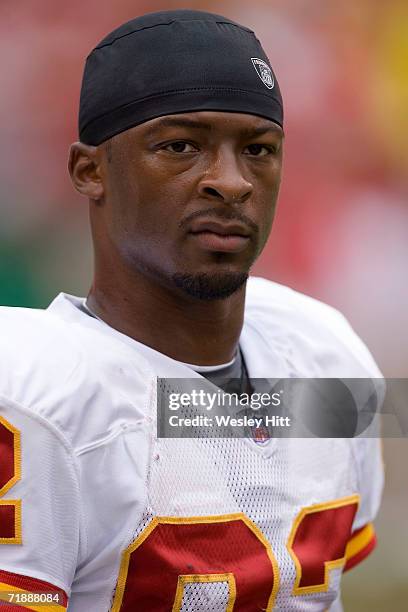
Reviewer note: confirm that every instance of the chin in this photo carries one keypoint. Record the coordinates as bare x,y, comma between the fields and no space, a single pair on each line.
208,287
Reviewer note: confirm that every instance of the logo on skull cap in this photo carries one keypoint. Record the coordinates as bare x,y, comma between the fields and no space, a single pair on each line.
264,72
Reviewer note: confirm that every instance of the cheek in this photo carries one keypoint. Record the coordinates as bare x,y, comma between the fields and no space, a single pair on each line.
145,213
268,194
128,197
268,214
266,209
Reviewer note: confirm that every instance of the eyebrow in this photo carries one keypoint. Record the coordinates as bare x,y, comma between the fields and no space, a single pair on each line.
273,128
201,125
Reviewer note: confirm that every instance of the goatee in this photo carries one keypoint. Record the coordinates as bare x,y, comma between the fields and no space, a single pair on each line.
208,287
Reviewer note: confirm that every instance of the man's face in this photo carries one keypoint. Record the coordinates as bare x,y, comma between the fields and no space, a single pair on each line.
190,198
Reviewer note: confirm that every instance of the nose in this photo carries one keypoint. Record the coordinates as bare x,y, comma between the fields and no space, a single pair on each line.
224,181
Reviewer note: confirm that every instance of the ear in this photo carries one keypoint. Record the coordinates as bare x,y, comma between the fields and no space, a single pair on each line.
84,166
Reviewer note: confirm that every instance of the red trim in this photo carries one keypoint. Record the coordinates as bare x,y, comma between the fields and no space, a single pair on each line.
31,584
361,555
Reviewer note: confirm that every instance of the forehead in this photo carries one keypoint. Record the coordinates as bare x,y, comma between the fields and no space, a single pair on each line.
225,123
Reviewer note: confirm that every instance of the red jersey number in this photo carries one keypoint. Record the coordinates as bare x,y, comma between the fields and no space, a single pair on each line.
10,473
176,551
173,552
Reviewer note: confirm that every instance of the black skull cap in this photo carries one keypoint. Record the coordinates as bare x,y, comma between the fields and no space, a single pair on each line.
174,62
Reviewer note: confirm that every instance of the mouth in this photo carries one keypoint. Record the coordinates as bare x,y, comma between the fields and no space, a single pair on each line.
227,237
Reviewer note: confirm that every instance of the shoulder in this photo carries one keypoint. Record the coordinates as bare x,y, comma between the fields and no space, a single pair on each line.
312,330
77,378
32,341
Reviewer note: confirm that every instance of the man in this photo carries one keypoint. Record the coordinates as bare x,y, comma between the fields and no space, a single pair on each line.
180,155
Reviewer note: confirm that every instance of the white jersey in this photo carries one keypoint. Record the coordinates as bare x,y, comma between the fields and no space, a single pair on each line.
99,511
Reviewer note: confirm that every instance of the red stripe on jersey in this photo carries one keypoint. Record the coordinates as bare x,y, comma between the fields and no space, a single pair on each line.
31,584
359,556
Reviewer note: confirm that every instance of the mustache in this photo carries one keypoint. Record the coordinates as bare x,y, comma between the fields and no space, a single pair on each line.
227,215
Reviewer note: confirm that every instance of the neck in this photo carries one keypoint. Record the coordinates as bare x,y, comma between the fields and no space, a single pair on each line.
184,328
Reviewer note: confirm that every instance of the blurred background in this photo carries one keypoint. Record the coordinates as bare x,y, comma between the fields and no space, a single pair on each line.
341,232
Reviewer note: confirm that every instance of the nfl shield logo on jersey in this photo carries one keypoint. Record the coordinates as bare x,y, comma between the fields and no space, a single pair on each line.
264,72
260,434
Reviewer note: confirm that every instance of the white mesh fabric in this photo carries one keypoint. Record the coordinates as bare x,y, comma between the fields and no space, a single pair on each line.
270,484
200,597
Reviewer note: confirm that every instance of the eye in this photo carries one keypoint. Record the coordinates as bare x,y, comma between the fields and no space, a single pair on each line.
180,146
259,150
